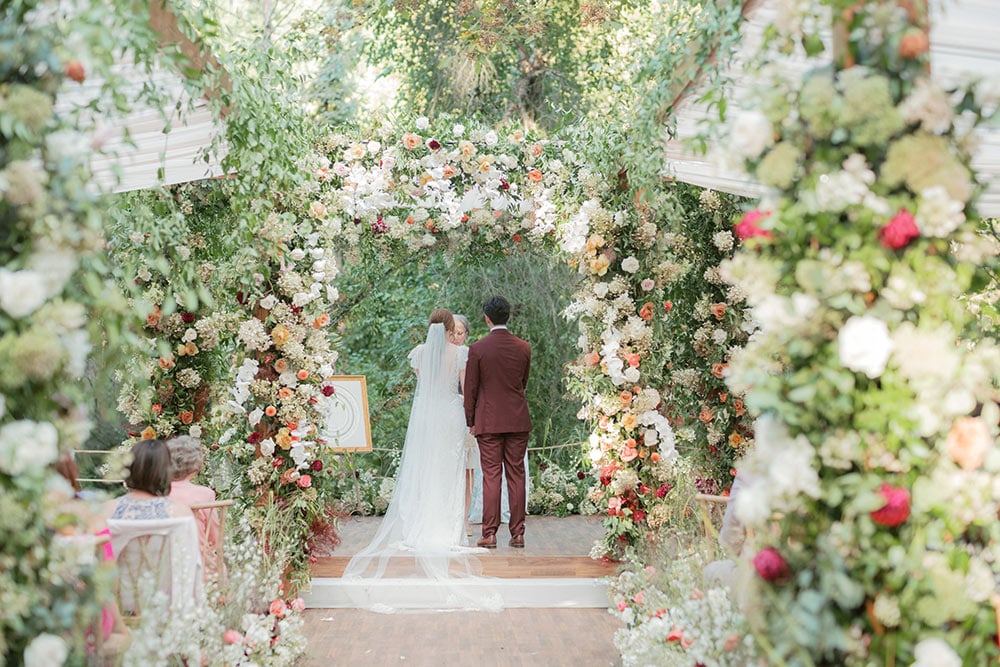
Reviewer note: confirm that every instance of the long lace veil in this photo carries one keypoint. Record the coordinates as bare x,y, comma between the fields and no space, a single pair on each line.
421,539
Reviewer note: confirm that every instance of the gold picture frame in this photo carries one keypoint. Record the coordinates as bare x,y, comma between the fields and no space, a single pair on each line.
347,427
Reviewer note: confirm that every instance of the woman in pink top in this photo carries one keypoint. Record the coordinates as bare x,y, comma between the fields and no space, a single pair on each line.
186,459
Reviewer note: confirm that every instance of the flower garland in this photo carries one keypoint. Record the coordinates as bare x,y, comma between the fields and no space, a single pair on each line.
876,455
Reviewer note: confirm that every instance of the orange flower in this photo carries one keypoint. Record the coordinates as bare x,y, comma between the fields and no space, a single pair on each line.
706,416
722,397
654,457
646,312
626,398
154,317
284,393
321,321
718,370
449,171
968,442
156,409
718,309
302,374
735,439
535,176
913,43
166,362
281,366
738,407
148,433
185,416
633,360
536,150
270,411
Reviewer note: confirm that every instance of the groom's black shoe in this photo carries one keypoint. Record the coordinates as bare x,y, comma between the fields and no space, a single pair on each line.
487,541
517,541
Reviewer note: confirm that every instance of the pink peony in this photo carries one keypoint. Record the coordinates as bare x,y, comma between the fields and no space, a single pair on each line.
747,228
896,509
305,481
232,637
622,605
771,565
278,608
298,604
899,232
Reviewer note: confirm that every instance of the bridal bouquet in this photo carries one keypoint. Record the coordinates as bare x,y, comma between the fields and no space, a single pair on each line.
873,476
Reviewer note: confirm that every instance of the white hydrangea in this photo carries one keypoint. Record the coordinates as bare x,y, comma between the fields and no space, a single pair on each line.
752,134
27,445
21,292
938,215
864,345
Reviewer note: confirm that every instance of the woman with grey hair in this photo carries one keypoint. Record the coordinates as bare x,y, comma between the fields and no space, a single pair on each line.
187,456
459,336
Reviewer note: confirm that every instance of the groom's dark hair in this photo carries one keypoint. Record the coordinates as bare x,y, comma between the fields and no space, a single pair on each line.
497,309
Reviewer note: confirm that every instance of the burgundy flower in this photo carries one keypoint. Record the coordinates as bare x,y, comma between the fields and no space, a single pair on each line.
663,490
317,465
896,509
328,390
504,185
580,474
380,226
771,565
638,515
747,228
187,318
277,462
255,437
433,144
900,231
240,298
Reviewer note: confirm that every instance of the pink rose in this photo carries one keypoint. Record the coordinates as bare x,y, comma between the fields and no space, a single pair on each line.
647,284
298,604
622,605
771,565
305,481
967,442
896,509
899,232
278,608
232,637
747,228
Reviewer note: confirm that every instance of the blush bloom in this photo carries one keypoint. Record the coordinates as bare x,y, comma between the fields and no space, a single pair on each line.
899,231
771,565
896,509
278,608
967,442
748,226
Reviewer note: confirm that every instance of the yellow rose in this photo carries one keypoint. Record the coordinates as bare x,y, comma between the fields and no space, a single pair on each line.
280,335
594,242
599,265
283,438
467,149
317,209
629,421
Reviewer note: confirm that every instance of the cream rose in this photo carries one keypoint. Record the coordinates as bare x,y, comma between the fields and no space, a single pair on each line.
967,442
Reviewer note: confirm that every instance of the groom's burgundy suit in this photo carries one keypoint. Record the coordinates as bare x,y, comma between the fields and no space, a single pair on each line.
497,411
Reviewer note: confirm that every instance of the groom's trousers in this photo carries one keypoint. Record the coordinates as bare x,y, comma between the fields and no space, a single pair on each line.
502,453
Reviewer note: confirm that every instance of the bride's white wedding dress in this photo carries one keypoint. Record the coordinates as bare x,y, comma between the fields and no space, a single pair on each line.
422,536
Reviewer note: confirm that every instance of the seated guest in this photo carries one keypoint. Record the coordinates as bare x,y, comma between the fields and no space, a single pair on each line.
148,483
186,459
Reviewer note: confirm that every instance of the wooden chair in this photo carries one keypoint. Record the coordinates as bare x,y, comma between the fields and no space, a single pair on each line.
211,520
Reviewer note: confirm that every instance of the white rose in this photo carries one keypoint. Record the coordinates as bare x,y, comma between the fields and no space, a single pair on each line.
752,133
25,444
601,290
423,123
373,147
21,292
46,650
865,345
630,264
458,130
267,447
297,254
255,416
935,652
632,374
491,138
195,431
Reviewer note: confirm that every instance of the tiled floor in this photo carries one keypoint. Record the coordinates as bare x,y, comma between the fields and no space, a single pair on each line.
529,637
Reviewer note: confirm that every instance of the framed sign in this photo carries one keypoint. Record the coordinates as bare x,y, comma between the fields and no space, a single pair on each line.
347,427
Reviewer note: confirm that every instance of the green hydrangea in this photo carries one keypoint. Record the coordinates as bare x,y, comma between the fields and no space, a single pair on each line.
31,107
818,104
34,355
922,160
868,111
780,165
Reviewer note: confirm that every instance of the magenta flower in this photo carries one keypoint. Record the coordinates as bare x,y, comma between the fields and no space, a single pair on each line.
900,231
896,509
771,565
748,227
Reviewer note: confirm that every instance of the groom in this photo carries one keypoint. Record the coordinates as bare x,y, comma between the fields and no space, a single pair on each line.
496,412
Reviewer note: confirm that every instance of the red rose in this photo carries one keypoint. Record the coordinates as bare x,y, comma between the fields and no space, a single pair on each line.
638,515
896,509
328,390
317,465
747,228
580,474
504,185
771,565
899,232
433,144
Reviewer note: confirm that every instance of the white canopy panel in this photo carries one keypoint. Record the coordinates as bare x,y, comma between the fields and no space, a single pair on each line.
963,43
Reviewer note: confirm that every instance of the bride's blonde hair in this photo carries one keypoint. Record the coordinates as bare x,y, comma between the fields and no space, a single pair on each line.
443,316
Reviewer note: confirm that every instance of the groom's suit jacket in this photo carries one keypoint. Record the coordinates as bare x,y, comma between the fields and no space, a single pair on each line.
495,378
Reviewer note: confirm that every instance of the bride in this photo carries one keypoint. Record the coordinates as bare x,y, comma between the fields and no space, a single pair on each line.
423,533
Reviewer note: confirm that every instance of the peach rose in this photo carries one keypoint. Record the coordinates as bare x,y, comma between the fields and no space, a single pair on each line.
185,417
302,374
592,358
154,317
281,366
317,209
536,150
270,411
412,141
913,43
284,393
968,442
718,370
718,309
166,362
191,349
535,176
449,171
321,321
633,360
467,149
706,416
278,608
626,398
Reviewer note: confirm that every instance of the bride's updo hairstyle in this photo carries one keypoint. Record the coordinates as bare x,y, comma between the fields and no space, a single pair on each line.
443,316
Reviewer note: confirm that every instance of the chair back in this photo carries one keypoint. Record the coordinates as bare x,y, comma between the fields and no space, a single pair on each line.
156,558
211,520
